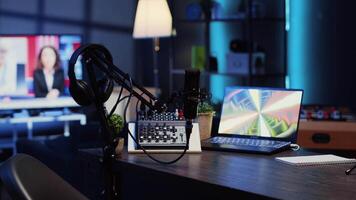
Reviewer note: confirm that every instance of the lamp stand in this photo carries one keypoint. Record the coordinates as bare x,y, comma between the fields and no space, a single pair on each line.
155,62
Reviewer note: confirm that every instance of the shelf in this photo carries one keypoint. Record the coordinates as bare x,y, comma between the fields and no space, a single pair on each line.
234,20
182,72
178,71
270,75
248,23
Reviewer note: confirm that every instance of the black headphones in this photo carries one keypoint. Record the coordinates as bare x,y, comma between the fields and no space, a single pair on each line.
79,89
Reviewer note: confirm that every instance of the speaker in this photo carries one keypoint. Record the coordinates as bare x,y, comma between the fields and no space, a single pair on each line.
327,135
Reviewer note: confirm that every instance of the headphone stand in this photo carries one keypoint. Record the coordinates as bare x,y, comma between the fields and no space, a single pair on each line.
106,132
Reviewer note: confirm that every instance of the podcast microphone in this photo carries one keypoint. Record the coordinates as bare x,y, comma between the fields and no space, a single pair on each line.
191,94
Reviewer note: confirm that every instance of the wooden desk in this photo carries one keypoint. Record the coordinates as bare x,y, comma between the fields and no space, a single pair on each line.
219,174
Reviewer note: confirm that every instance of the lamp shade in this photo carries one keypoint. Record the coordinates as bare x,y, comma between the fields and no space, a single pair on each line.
153,19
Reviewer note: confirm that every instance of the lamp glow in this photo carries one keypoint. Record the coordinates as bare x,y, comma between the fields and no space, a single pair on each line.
153,19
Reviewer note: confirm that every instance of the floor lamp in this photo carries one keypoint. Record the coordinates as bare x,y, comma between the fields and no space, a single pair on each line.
153,20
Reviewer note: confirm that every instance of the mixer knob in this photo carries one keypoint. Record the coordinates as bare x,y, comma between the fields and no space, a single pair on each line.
141,138
181,136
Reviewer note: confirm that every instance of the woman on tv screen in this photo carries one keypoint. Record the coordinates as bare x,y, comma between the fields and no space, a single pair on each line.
49,76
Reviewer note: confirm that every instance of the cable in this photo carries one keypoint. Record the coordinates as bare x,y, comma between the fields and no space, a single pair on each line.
138,101
188,128
348,172
188,132
128,101
117,103
294,147
123,98
155,159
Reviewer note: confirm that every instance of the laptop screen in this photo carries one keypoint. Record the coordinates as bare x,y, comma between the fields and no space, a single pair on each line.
263,112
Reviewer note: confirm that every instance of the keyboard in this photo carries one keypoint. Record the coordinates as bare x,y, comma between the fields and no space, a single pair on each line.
247,142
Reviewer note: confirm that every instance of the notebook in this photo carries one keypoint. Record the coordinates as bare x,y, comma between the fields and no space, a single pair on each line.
257,120
315,160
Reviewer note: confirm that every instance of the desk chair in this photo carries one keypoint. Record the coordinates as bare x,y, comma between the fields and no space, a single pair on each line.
24,177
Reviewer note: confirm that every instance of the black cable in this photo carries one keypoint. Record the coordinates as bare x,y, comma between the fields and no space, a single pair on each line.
138,101
188,132
348,172
160,161
128,101
123,98
117,103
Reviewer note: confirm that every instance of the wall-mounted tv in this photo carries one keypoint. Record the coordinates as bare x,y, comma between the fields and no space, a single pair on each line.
22,55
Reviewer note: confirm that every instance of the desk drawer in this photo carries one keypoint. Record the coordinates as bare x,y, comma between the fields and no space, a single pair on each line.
327,135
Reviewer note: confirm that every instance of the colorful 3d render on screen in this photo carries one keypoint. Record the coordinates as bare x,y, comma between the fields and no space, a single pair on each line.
260,112
19,57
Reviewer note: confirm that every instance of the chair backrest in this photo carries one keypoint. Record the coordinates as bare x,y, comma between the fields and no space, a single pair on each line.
25,177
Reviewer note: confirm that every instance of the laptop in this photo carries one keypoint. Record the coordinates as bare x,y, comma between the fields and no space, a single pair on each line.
257,120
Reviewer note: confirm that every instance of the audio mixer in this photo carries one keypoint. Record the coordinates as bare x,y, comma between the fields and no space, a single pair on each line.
161,131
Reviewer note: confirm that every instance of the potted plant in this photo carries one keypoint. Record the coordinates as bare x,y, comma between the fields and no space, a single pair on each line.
116,122
205,119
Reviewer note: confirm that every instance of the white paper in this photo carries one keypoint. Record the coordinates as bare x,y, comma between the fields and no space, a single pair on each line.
315,160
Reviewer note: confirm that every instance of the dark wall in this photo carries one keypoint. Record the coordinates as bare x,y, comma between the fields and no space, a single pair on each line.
323,45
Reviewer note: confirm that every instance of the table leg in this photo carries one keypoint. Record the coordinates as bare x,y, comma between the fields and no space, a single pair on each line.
14,139
29,130
66,129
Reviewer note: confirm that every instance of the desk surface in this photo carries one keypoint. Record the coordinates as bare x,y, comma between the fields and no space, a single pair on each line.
257,174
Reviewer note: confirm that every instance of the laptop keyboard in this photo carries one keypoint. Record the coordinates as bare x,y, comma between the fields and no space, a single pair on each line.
247,142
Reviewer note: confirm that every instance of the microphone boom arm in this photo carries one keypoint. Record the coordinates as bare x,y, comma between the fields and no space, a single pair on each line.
121,77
